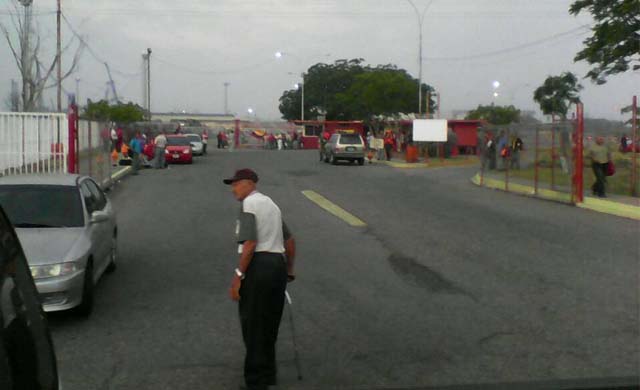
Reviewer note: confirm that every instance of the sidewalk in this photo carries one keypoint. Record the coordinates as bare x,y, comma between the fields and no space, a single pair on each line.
618,205
400,163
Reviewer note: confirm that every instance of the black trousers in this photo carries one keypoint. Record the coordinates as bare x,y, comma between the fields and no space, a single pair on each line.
261,305
599,171
387,151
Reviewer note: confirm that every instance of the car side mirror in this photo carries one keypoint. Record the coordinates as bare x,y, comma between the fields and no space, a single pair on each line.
99,217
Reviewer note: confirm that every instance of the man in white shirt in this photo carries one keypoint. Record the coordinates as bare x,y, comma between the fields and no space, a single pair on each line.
267,253
159,157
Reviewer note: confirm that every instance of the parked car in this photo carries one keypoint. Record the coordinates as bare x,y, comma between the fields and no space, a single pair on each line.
178,149
27,355
67,227
344,146
197,146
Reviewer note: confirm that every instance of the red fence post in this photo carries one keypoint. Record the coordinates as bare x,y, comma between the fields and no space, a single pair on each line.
72,118
634,148
578,173
553,152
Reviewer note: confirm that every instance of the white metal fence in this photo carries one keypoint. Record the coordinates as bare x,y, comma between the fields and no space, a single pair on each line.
33,143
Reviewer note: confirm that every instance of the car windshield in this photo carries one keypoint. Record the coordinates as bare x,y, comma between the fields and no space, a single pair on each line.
194,138
178,141
350,139
35,206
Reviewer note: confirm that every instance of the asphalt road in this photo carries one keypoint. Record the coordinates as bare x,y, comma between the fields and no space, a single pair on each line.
447,284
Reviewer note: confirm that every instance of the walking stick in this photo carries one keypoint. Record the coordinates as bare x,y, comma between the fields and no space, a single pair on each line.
293,337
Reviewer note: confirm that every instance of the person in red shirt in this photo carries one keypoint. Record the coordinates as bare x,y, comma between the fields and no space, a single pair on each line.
389,142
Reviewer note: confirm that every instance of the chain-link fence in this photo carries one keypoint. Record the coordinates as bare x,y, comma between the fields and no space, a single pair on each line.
94,151
554,160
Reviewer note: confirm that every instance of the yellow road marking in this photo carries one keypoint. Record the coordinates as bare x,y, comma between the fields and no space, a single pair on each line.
333,208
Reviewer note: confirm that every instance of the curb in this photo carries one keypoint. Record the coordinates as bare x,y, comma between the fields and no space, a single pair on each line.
598,205
404,165
108,183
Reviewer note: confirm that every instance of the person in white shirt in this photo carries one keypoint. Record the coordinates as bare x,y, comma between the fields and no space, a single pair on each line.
267,254
160,145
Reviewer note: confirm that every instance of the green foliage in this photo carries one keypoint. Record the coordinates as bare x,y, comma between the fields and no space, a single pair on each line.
557,94
348,90
615,43
120,113
496,115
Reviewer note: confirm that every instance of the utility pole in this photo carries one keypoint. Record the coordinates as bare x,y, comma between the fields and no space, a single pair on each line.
59,58
149,81
420,17
302,104
78,91
25,54
226,98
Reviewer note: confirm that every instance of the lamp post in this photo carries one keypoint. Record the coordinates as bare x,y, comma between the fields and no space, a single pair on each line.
279,55
420,16
301,87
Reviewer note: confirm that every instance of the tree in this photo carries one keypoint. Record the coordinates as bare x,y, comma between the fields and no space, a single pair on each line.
348,90
496,115
119,113
615,43
34,71
557,94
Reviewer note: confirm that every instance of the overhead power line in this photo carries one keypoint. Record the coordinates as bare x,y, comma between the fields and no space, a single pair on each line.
581,29
91,51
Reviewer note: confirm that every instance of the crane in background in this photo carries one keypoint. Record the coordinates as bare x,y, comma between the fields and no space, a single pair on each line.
111,87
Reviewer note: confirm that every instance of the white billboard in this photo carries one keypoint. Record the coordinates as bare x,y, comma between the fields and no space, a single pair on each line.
430,130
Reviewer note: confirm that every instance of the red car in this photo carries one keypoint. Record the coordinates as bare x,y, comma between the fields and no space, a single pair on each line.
178,150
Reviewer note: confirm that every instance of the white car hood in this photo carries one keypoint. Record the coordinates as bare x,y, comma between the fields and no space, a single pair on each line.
49,245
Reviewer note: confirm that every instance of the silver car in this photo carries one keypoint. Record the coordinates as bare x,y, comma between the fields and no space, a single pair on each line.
344,146
68,231
197,146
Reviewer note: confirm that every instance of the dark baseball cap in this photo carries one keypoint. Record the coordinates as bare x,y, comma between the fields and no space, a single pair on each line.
242,174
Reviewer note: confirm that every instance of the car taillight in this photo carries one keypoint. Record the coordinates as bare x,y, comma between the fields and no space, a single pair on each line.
186,151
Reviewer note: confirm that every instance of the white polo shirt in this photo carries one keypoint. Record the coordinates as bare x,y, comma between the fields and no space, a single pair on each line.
261,220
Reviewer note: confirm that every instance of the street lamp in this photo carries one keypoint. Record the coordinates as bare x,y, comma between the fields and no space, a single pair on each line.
420,17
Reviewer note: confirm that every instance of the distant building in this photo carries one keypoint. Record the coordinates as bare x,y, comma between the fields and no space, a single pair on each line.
209,120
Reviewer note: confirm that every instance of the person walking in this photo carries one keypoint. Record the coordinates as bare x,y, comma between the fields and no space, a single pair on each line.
135,146
219,136
161,144
267,254
114,139
600,156
205,141
119,141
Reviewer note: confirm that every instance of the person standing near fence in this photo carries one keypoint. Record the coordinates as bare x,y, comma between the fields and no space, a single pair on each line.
516,148
600,156
159,157
388,144
136,148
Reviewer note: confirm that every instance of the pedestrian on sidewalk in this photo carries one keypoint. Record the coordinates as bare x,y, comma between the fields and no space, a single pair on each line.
267,254
135,146
114,139
388,144
205,141
600,156
161,144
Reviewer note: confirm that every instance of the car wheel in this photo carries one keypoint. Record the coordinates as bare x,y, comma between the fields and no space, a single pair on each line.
114,253
86,306
361,161
332,160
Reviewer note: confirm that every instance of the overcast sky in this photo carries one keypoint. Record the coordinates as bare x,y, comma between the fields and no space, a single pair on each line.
199,45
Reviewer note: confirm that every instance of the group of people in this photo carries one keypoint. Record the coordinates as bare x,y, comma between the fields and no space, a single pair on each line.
281,141
144,150
508,148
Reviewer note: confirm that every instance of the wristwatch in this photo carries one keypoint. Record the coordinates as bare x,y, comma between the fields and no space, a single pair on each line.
239,274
